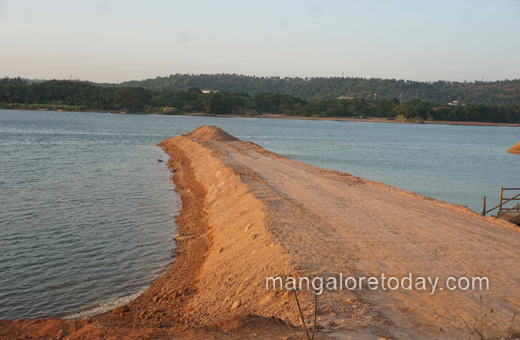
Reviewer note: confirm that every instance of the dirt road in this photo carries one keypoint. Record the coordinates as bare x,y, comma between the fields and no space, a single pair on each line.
326,223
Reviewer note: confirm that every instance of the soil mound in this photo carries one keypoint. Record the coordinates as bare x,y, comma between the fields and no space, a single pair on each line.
515,149
210,133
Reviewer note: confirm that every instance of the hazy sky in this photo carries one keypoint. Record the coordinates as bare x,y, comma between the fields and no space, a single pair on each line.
111,40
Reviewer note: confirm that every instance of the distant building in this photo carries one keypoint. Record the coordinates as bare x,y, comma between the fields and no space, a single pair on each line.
455,103
209,91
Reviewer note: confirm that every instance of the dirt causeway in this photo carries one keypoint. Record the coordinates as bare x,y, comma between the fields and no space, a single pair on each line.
248,214
515,149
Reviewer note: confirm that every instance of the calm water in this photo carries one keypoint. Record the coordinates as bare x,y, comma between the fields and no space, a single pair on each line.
87,214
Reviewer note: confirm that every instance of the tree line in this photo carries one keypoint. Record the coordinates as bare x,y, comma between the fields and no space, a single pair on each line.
77,96
504,92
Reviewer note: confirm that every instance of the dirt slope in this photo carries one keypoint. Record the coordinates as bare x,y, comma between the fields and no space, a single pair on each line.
514,149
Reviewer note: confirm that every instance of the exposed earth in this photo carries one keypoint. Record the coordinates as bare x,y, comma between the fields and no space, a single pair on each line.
515,149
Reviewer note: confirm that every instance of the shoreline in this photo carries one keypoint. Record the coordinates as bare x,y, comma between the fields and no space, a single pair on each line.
283,116
373,120
248,213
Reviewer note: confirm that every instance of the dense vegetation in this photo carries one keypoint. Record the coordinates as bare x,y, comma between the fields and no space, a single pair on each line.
506,92
76,96
59,93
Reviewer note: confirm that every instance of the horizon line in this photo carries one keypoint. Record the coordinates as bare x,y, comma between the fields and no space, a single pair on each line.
265,77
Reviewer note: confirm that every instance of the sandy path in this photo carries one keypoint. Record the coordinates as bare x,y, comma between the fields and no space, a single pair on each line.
369,228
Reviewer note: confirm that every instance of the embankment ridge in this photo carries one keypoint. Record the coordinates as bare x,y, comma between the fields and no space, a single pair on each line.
272,216
514,149
210,133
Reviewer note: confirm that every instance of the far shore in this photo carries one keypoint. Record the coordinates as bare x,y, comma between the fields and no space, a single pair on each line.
350,119
284,116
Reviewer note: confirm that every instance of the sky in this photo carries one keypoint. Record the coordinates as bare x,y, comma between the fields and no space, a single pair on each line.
116,40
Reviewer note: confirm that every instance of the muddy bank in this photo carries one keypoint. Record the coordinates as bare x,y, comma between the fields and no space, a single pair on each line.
248,213
514,149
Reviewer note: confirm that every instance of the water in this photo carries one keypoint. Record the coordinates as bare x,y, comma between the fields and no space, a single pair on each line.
86,212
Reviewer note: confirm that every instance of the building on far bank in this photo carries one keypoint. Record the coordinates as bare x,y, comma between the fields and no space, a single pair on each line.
456,103
209,91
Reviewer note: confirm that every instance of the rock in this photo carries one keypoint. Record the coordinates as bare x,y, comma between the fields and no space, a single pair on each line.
235,304
160,161
121,309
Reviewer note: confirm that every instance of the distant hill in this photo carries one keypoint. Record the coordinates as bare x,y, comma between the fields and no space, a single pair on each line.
504,92
67,95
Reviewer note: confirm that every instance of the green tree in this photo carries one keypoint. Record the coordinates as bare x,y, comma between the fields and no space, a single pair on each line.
131,98
218,103
405,110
